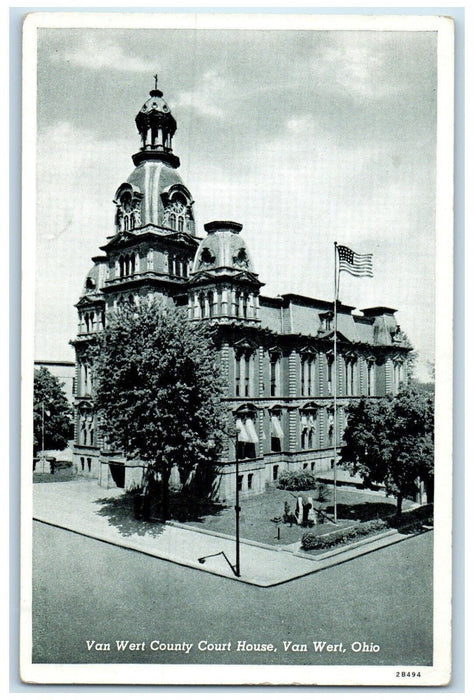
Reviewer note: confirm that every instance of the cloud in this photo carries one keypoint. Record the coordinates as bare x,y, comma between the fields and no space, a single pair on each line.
207,97
106,54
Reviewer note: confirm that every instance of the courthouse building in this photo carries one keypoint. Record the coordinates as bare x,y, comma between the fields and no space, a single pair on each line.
276,352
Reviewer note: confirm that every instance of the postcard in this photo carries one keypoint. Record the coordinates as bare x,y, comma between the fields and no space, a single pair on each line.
237,239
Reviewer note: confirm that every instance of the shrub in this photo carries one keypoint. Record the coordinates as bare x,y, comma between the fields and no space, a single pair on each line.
344,536
323,492
296,480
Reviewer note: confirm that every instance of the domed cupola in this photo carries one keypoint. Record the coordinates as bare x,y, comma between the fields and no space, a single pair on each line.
223,284
156,126
223,249
154,193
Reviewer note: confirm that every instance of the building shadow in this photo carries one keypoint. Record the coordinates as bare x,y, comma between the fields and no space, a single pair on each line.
183,507
362,512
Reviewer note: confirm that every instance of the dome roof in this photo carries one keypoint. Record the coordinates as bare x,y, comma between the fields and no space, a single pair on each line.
155,103
223,247
156,181
92,282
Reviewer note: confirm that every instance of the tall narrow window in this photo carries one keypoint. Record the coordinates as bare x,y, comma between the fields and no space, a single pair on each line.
202,305
237,375
349,377
370,379
275,389
247,376
307,375
210,301
180,223
330,372
172,221
245,304
276,432
331,427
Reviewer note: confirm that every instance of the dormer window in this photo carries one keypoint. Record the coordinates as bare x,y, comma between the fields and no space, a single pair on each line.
207,257
127,200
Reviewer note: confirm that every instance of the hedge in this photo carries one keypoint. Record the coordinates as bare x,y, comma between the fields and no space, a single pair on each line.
349,534
411,521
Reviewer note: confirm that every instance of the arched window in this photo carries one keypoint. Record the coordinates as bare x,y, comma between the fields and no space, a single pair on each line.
172,221
308,375
132,221
351,375
247,438
244,372
308,425
276,431
370,378
180,223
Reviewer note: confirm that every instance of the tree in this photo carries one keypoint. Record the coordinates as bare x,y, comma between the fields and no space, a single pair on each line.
391,441
157,390
51,412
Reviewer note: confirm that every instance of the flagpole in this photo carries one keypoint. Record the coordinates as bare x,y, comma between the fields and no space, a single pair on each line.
335,380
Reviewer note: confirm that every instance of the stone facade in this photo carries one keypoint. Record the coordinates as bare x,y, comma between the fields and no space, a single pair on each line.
276,353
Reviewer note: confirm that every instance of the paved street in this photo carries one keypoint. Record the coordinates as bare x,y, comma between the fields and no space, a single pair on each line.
84,589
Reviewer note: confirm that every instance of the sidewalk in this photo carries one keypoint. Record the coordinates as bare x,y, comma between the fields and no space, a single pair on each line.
76,506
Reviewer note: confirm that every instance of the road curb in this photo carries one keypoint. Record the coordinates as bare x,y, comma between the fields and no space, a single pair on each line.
335,559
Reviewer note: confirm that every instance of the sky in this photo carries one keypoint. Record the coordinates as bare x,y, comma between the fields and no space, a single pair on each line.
304,137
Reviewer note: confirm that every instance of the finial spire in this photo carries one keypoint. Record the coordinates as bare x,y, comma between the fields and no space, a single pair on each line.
156,80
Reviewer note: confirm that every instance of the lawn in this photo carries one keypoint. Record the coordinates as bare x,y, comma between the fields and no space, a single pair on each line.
258,512
60,474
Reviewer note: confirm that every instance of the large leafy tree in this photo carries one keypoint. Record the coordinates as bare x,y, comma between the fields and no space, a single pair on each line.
157,391
51,412
391,441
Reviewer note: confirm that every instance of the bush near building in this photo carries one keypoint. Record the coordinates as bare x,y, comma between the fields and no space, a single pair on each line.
299,480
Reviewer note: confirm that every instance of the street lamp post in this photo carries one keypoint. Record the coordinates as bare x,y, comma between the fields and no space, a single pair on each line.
42,437
237,508
236,568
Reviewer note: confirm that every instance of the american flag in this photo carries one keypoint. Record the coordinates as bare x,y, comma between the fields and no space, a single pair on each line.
354,263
